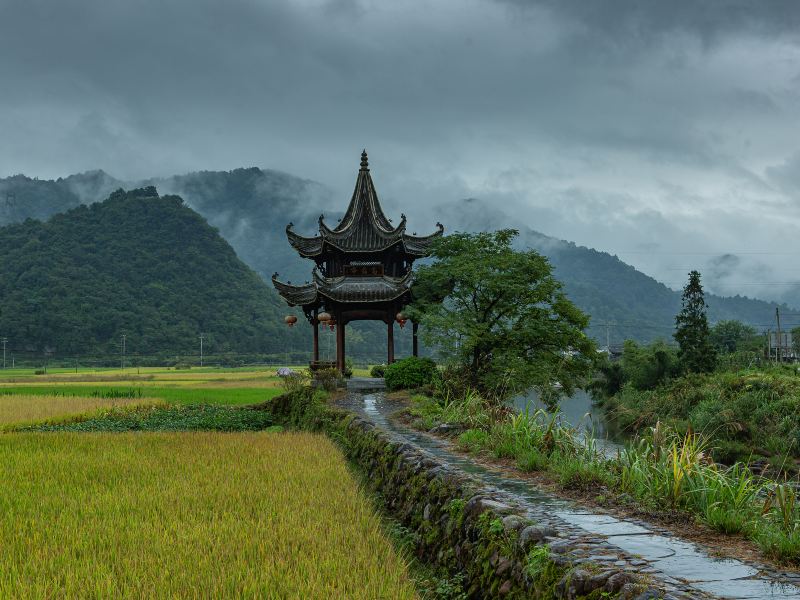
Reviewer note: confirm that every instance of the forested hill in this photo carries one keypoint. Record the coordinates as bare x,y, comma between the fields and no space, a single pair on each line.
251,208
136,264
622,301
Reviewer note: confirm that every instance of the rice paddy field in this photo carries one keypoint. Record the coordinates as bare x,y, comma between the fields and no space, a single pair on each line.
166,515
190,386
160,484
17,410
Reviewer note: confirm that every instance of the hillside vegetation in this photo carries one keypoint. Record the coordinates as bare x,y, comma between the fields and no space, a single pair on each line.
745,415
138,264
251,208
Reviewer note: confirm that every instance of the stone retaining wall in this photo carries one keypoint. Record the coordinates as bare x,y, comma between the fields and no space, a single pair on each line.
458,524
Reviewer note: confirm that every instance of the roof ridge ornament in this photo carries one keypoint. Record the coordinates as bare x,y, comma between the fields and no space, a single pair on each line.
364,160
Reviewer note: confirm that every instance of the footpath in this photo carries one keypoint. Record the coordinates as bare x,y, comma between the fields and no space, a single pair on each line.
627,549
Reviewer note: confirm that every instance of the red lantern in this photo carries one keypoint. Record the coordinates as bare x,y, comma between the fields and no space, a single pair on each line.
290,320
401,318
324,317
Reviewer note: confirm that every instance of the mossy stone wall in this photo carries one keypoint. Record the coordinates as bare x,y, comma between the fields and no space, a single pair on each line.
457,523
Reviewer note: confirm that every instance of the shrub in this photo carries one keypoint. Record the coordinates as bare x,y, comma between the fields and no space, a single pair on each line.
411,372
292,380
531,459
329,379
377,371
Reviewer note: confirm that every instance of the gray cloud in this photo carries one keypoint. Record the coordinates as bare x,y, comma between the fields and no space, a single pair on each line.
626,125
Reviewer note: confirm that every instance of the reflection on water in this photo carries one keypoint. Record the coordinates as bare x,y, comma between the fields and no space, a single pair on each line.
578,411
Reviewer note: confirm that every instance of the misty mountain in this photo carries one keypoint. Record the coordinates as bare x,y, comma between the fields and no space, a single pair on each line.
623,302
251,208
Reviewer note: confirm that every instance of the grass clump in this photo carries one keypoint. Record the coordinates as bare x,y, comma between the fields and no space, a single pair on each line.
168,515
663,468
431,582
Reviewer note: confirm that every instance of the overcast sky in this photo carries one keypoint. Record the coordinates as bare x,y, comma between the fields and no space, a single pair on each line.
667,132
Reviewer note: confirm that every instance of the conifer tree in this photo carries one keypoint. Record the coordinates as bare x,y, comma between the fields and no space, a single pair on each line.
697,354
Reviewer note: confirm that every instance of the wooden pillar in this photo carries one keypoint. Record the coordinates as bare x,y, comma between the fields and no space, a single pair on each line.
390,343
339,344
415,339
315,324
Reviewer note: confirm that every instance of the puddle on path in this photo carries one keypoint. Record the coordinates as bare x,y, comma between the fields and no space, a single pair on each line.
671,558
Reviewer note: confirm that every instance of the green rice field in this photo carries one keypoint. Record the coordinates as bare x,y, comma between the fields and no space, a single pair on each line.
191,386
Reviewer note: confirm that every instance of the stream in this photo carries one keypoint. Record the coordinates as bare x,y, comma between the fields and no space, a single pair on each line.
579,412
680,563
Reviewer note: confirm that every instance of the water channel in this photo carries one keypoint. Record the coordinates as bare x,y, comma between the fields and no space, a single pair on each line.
579,412
678,562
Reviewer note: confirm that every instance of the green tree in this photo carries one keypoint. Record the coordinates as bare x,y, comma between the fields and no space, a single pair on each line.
697,354
501,315
648,366
732,336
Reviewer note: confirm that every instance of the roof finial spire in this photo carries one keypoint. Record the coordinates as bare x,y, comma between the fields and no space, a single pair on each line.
364,161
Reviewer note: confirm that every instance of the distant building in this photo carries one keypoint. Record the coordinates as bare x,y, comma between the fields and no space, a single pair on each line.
614,351
781,347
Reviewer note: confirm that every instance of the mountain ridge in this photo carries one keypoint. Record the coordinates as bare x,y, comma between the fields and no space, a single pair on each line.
251,207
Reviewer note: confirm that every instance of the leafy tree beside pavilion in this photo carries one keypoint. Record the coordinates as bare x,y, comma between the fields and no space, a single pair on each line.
697,354
501,316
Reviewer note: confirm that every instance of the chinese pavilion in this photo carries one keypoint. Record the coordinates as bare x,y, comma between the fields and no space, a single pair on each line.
363,269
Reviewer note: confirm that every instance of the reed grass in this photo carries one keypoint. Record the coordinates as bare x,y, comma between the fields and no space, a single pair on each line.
662,467
188,515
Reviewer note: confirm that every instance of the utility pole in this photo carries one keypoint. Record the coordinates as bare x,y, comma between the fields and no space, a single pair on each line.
5,341
201,349
608,337
123,350
779,351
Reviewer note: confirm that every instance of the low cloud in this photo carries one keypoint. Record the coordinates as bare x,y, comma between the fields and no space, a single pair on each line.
661,132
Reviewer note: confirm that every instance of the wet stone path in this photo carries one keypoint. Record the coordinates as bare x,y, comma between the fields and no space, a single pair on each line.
680,567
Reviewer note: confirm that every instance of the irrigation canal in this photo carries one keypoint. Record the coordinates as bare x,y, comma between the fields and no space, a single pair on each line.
631,544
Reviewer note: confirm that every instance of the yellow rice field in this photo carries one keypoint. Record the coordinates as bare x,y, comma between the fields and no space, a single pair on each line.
25,409
188,515
151,376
